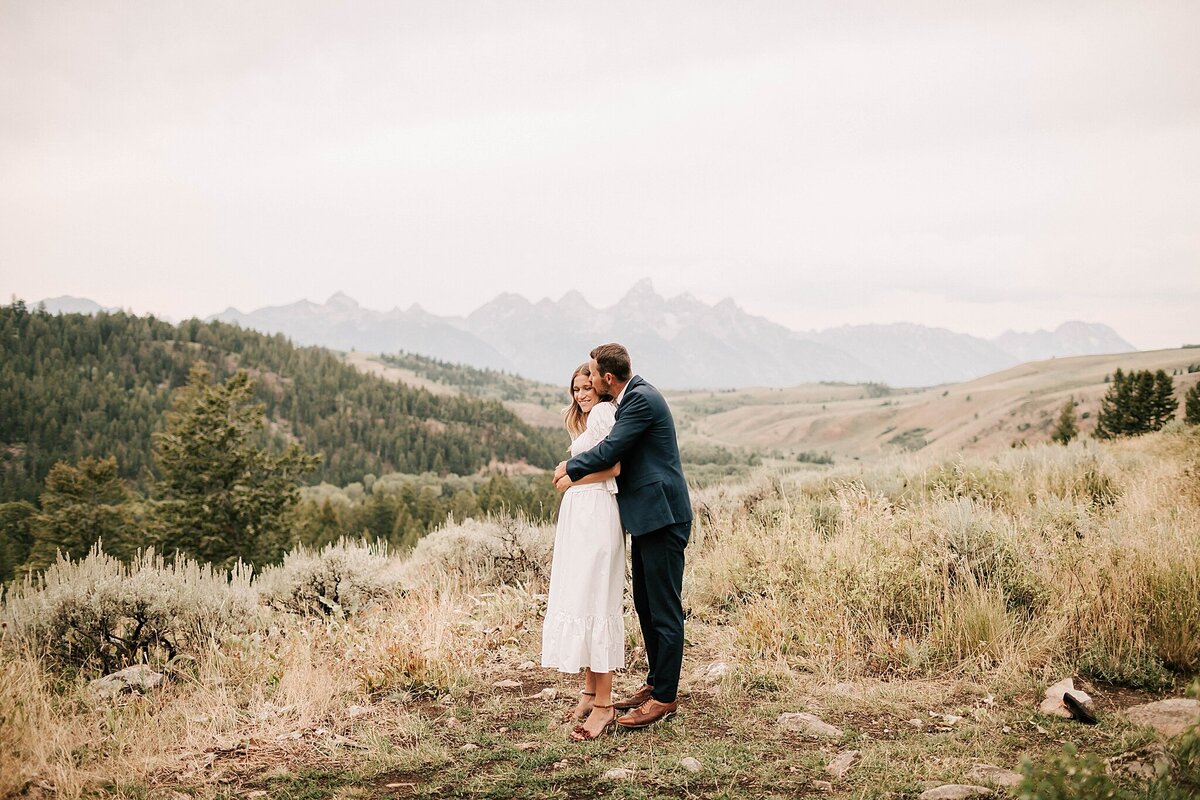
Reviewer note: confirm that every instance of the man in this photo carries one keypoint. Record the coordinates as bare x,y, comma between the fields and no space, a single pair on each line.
656,511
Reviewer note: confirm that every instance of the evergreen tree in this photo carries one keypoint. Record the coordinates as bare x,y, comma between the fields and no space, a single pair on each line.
1163,402
1136,403
225,496
1191,405
1065,428
1114,419
80,506
16,537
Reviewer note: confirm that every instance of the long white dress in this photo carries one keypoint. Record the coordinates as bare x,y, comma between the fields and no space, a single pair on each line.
584,626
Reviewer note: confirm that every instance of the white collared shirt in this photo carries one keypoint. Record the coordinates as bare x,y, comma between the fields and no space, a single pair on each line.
621,396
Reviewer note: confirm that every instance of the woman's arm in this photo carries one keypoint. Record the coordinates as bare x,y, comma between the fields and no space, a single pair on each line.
565,482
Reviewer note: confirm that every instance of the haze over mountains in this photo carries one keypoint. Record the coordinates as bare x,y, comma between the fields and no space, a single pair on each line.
677,342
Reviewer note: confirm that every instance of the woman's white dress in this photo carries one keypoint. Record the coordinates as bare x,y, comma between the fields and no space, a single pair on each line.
584,625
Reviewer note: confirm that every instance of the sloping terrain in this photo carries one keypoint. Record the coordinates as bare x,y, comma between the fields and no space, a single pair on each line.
1015,406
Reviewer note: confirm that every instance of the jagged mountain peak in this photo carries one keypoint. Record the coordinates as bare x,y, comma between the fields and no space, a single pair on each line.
342,300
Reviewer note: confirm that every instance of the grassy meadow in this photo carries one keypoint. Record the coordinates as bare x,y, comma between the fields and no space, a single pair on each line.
918,604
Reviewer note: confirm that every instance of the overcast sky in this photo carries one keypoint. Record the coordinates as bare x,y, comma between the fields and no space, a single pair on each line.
976,166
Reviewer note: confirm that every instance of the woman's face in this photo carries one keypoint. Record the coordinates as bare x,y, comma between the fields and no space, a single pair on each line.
583,393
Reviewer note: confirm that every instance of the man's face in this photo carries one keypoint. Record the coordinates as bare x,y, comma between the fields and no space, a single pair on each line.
600,382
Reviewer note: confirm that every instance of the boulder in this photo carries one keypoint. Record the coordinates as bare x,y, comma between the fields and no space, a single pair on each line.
1053,705
138,678
808,725
956,791
1169,717
996,776
841,763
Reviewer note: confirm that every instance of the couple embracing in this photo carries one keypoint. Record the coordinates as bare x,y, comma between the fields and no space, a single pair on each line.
624,475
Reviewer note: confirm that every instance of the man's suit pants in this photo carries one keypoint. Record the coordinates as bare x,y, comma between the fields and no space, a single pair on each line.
657,586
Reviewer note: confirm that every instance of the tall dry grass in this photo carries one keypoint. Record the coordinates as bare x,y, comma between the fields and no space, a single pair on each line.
1032,563
1038,560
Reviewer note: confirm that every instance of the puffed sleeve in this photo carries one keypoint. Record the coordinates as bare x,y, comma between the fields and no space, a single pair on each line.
600,421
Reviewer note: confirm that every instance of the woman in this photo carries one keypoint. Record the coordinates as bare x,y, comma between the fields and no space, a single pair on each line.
584,627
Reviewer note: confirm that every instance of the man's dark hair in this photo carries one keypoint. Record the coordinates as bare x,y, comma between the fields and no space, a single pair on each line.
613,358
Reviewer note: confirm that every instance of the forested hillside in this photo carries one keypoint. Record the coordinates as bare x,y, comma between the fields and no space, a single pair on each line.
73,386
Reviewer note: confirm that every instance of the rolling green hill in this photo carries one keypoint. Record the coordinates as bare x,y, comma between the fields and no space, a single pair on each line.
74,385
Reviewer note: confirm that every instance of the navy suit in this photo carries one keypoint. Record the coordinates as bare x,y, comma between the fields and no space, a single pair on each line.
656,510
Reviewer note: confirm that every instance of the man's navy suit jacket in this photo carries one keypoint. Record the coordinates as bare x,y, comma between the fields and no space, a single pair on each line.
651,490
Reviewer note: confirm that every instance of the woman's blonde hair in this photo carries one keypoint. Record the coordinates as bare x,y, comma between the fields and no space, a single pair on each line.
575,418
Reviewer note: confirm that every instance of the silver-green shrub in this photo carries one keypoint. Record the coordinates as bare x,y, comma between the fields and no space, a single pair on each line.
100,613
500,550
339,579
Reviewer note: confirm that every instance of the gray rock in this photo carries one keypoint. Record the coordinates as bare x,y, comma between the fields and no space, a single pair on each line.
138,678
691,764
841,763
717,669
809,725
618,774
1053,705
1169,717
956,791
996,776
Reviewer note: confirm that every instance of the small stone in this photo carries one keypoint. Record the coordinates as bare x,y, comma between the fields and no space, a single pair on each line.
1169,717
562,764
841,763
717,669
691,764
956,791
1053,705
549,693
800,722
257,793
526,665
618,774
996,776
948,720
527,746
503,730
822,786
507,684
469,747
356,711
916,723
138,678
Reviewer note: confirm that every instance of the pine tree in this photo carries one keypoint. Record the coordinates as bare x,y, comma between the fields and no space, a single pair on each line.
80,506
16,536
1065,428
1163,403
224,496
1113,419
1191,405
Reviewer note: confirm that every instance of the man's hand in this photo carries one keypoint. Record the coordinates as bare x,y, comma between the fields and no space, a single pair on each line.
564,483
560,472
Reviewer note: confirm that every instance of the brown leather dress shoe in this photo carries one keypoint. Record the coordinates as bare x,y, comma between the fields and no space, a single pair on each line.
647,714
636,699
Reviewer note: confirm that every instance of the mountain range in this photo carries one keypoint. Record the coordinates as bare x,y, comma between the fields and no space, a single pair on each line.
678,342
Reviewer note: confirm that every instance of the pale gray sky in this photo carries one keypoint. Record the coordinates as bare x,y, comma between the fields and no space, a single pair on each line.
977,166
